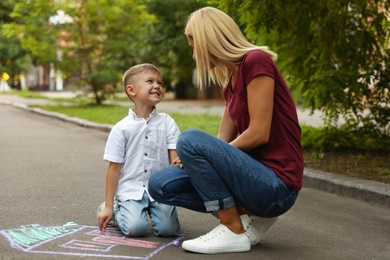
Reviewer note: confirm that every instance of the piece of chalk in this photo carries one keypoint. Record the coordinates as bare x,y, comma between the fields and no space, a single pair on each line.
71,225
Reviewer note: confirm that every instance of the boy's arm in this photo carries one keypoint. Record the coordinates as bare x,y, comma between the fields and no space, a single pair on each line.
173,133
112,178
174,158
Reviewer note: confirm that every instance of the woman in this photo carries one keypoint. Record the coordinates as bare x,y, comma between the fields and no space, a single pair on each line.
255,166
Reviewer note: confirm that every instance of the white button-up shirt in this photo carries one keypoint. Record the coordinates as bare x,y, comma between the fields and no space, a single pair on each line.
142,147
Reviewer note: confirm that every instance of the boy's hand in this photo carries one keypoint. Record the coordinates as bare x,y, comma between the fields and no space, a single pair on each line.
104,217
177,162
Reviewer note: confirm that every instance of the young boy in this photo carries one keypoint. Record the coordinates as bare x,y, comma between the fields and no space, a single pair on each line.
139,145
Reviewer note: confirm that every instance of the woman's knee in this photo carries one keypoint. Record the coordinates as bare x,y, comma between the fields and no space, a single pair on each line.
189,138
167,183
154,186
184,137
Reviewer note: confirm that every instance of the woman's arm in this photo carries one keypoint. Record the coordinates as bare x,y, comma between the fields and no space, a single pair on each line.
227,130
260,93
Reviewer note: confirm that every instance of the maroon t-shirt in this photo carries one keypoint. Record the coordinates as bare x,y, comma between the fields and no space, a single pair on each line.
283,152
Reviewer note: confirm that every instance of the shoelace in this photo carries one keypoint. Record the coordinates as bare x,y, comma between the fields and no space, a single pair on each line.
213,233
218,230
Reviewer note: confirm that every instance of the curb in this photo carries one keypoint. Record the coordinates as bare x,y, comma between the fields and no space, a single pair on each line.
373,192
74,120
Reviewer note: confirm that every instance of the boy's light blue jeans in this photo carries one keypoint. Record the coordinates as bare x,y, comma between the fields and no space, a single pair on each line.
132,220
217,176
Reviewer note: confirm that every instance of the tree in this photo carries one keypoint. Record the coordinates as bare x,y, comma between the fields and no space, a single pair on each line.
13,59
335,52
96,40
169,47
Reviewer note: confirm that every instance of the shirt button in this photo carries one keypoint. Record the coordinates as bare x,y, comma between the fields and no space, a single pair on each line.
146,154
146,137
145,170
143,185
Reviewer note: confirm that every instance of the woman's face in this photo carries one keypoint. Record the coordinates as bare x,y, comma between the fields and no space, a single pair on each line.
191,43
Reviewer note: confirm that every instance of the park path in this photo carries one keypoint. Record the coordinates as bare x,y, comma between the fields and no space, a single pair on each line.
52,173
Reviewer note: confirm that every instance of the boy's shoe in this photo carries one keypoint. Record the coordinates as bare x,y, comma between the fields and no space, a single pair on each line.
112,222
219,240
256,227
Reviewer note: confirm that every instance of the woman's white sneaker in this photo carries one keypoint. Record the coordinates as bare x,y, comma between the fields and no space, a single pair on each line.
256,227
219,240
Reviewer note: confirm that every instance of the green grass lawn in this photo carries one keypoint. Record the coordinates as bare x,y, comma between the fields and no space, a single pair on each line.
367,165
111,114
372,164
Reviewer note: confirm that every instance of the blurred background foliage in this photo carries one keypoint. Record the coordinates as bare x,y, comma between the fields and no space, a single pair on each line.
334,53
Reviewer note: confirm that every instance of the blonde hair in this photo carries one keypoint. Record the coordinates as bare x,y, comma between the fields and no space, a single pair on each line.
219,45
128,77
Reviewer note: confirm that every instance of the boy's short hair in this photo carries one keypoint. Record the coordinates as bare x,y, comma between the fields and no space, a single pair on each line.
135,70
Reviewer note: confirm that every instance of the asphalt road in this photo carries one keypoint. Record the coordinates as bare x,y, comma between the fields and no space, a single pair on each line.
52,173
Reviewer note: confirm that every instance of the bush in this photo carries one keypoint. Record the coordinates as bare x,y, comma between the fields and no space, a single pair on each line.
326,139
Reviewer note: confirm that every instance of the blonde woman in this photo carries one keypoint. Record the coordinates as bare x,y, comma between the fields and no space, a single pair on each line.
252,172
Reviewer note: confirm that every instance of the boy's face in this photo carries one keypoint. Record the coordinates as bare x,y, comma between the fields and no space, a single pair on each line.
146,88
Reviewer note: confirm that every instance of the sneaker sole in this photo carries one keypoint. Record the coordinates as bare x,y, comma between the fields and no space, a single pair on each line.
216,250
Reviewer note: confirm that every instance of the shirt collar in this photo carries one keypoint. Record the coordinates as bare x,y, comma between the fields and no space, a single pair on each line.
134,116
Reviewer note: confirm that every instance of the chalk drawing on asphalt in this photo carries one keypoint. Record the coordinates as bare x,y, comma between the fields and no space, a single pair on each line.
85,241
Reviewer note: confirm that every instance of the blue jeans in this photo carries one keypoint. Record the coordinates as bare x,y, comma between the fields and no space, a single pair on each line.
216,176
132,220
